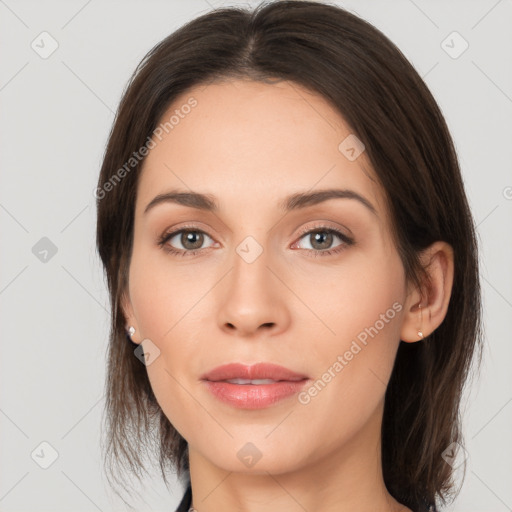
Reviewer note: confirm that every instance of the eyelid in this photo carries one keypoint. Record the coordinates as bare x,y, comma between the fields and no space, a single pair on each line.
174,229
325,224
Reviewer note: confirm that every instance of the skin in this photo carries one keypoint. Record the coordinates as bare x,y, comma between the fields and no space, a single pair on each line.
250,145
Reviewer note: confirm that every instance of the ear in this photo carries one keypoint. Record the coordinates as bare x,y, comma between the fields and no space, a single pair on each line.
426,308
126,306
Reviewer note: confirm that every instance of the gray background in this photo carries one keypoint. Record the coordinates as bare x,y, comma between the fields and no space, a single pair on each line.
56,115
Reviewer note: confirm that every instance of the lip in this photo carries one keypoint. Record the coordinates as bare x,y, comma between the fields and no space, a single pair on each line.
255,371
253,396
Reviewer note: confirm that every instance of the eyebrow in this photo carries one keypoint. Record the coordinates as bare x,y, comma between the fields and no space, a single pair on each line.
295,201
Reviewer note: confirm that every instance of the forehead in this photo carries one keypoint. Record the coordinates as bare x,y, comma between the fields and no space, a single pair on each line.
246,141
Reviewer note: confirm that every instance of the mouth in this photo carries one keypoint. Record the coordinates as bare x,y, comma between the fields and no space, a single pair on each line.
253,387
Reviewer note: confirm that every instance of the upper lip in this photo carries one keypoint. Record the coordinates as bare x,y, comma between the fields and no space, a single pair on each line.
255,371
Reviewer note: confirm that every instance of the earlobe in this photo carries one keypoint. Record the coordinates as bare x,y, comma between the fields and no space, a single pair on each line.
130,331
127,309
426,308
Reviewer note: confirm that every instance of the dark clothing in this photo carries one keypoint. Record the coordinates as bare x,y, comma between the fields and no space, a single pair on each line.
187,500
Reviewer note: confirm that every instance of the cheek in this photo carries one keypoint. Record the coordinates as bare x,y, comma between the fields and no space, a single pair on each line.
161,293
361,311
161,306
352,298
166,303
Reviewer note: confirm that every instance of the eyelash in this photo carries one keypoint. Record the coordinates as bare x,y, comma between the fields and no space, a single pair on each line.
347,241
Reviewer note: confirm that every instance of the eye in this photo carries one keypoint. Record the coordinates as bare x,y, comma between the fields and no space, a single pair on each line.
321,239
191,241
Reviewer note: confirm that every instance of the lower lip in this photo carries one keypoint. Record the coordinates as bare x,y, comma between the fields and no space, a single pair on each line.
254,396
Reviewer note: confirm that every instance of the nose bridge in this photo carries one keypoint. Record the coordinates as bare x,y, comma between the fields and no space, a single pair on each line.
251,263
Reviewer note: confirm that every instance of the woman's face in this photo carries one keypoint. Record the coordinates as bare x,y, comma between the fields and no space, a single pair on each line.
315,286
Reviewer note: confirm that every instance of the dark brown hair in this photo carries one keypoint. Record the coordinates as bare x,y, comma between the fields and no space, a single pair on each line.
387,105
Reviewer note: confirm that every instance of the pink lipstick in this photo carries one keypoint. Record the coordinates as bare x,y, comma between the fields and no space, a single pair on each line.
253,387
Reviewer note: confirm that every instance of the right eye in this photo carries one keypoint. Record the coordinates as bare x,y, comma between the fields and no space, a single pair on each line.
190,239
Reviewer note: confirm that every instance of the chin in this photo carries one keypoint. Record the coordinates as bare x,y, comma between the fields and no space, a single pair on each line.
257,458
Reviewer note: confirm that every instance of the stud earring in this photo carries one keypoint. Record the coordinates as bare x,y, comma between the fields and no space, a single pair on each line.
131,330
420,332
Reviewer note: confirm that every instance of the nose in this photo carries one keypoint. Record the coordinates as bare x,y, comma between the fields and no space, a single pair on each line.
253,298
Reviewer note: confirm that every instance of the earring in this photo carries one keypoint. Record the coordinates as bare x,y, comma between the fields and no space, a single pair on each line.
420,332
131,331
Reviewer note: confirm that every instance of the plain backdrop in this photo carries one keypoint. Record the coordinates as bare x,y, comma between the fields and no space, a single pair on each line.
56,113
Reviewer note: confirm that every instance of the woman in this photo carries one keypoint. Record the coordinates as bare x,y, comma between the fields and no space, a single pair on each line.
292,267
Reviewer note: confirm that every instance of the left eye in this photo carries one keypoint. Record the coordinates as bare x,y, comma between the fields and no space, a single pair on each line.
321,239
